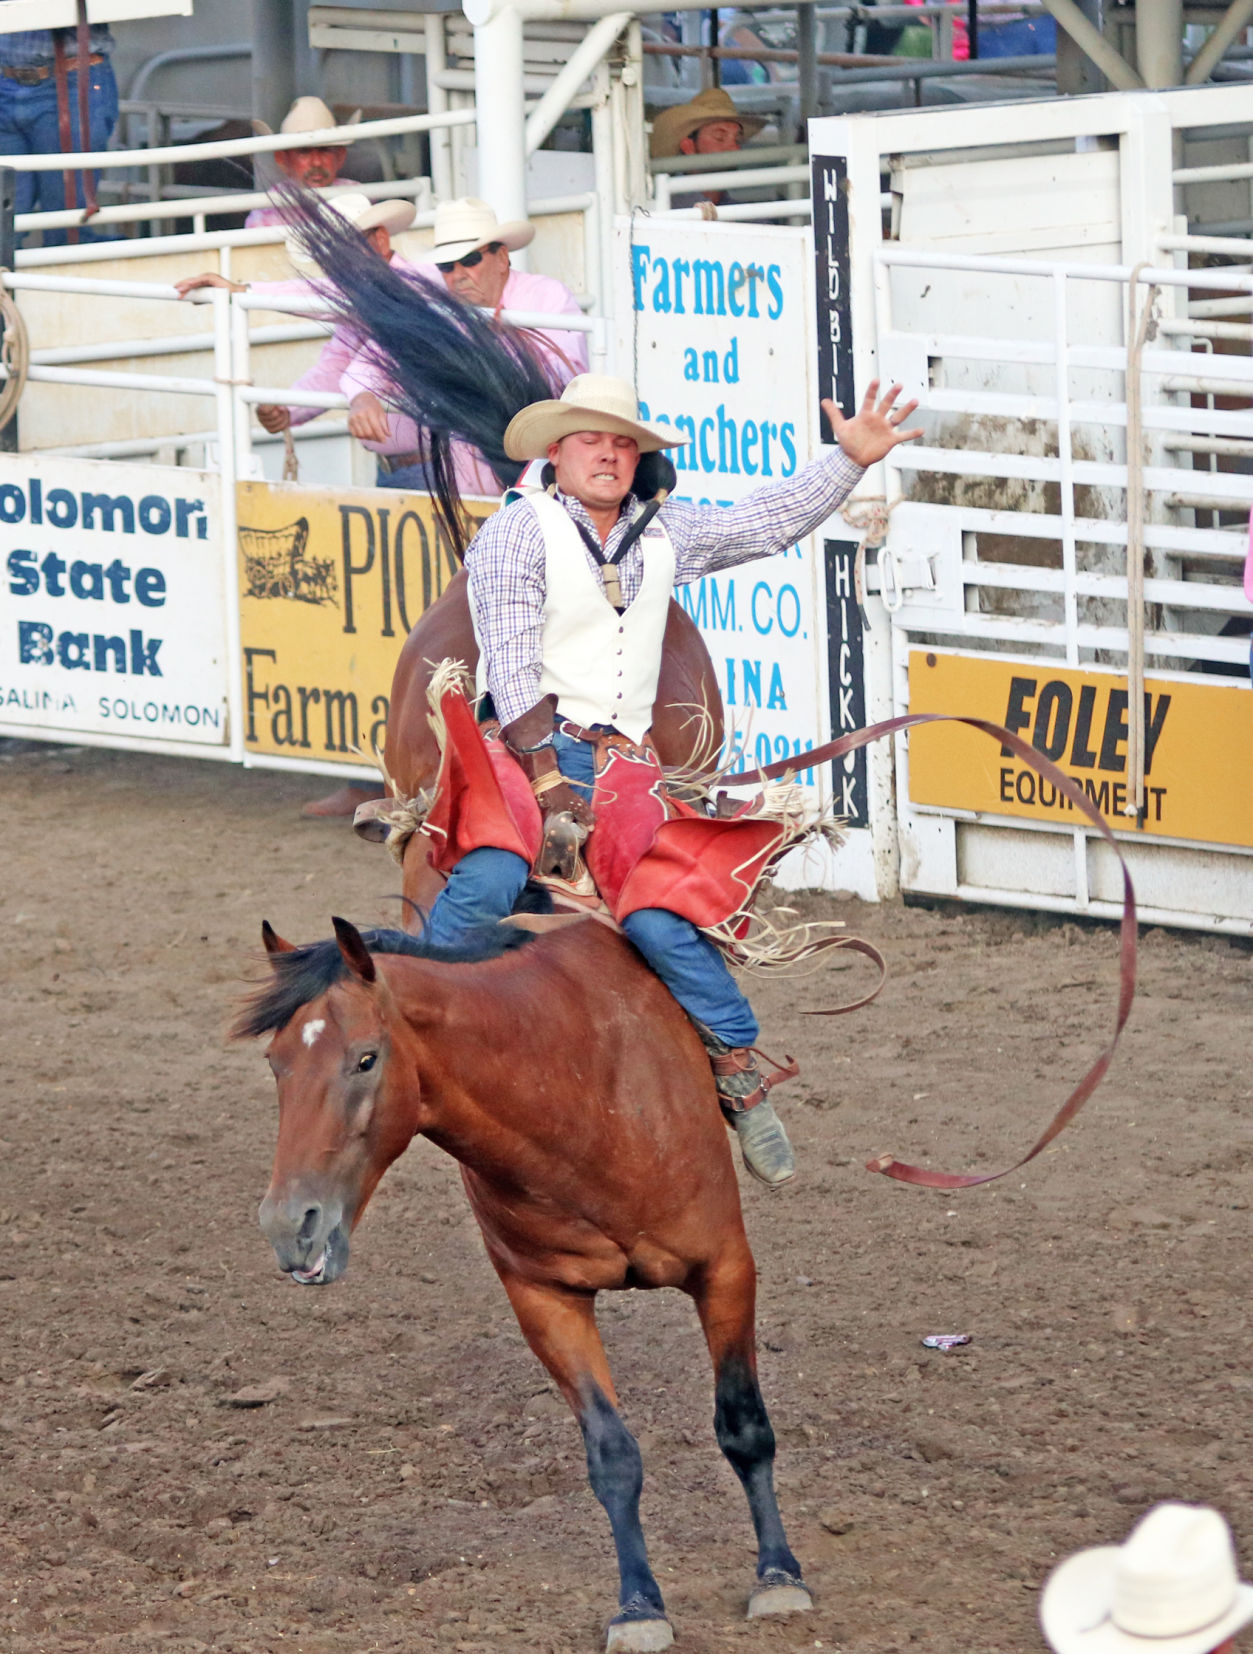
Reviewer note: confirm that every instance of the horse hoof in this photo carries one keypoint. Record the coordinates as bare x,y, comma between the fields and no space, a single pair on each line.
638,1636
785,1596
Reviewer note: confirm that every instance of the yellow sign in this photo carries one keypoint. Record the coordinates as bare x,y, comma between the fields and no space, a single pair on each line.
330,582
1197,744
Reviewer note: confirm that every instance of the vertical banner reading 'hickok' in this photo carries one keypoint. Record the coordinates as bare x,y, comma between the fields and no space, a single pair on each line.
713,326
330,582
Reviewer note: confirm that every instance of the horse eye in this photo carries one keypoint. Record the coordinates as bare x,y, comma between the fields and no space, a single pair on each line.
367,1062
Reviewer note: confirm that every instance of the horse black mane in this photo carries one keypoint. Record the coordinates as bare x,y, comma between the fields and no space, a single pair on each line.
302,974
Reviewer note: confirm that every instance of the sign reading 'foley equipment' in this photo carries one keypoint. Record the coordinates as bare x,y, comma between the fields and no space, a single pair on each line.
330,583
1196,735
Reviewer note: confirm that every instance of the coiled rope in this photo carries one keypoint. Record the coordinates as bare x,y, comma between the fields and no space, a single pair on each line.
14,356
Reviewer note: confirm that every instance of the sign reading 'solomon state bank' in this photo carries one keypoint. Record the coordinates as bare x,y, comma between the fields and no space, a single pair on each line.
113,618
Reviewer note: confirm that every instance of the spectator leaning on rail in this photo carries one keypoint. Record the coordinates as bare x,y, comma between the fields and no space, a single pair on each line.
709,125
471,254
1170,1588
316,167
378,221
29,123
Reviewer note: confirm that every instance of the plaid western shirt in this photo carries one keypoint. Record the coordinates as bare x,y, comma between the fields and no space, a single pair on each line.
507,561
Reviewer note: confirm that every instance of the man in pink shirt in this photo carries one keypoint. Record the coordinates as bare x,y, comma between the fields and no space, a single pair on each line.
316,167
378,221
471,253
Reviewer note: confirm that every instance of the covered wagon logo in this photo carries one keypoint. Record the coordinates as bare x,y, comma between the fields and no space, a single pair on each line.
277,564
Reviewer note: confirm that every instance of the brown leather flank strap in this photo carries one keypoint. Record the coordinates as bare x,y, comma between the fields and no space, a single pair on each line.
90,205
64,129
886,1163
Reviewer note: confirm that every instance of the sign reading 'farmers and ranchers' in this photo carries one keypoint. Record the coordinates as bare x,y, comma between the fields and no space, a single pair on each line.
330,583
1197,783
718,342
113,621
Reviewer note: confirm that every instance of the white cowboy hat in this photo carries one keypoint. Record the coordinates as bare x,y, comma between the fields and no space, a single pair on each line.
1171,1588
671,126
463,225
590,402
364,214
307,115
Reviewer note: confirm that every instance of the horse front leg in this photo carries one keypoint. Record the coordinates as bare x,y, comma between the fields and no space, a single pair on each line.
560,1326
726,1303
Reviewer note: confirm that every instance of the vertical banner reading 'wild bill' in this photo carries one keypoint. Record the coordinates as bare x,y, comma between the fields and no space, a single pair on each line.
330,582
713,325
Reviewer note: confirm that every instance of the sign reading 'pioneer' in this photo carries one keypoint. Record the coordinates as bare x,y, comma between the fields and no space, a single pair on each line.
330,582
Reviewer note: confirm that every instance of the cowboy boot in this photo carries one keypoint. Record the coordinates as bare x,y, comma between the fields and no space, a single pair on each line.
742,1090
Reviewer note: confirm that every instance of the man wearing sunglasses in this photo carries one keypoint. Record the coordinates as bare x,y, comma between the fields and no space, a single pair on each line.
471,254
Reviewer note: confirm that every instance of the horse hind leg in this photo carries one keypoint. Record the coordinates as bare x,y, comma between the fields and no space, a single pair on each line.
560,1326
742,1425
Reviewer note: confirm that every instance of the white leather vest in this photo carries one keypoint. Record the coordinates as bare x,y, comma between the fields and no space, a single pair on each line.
601,665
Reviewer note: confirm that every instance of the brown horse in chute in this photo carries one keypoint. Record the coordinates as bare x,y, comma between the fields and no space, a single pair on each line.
578,1099
687,716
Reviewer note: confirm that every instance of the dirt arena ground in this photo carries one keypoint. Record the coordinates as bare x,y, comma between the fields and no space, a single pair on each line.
413,1483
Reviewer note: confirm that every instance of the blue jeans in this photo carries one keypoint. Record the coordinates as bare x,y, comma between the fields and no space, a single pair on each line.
1026,37
28,126
415,477
484,885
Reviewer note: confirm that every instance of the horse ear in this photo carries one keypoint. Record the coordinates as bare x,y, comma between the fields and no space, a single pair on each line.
274,943
356,954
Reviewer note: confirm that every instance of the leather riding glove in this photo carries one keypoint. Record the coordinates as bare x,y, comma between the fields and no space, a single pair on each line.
530,740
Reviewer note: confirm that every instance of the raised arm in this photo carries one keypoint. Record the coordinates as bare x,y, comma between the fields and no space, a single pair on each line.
776,516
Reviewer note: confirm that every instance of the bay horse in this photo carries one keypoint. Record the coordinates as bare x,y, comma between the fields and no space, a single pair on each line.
579,1102
687,714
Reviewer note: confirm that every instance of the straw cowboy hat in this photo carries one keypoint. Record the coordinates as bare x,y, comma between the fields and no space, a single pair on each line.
466,224
307,115
1171,1588
590,402
671,126
364,214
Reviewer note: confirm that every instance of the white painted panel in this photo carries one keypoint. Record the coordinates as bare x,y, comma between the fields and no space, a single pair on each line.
1003,858
1060,206
1205,883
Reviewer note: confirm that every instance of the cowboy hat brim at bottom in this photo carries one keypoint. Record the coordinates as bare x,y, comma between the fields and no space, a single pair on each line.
532,432
1075,1612
514,236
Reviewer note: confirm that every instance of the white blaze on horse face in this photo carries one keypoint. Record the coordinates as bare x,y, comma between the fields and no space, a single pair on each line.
311,1030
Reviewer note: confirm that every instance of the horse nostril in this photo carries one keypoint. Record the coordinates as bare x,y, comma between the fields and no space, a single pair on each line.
312,1218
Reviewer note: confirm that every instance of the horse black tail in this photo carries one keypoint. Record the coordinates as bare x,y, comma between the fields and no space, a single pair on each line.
455,371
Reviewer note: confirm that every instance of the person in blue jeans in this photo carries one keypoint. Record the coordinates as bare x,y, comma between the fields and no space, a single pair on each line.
28,112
